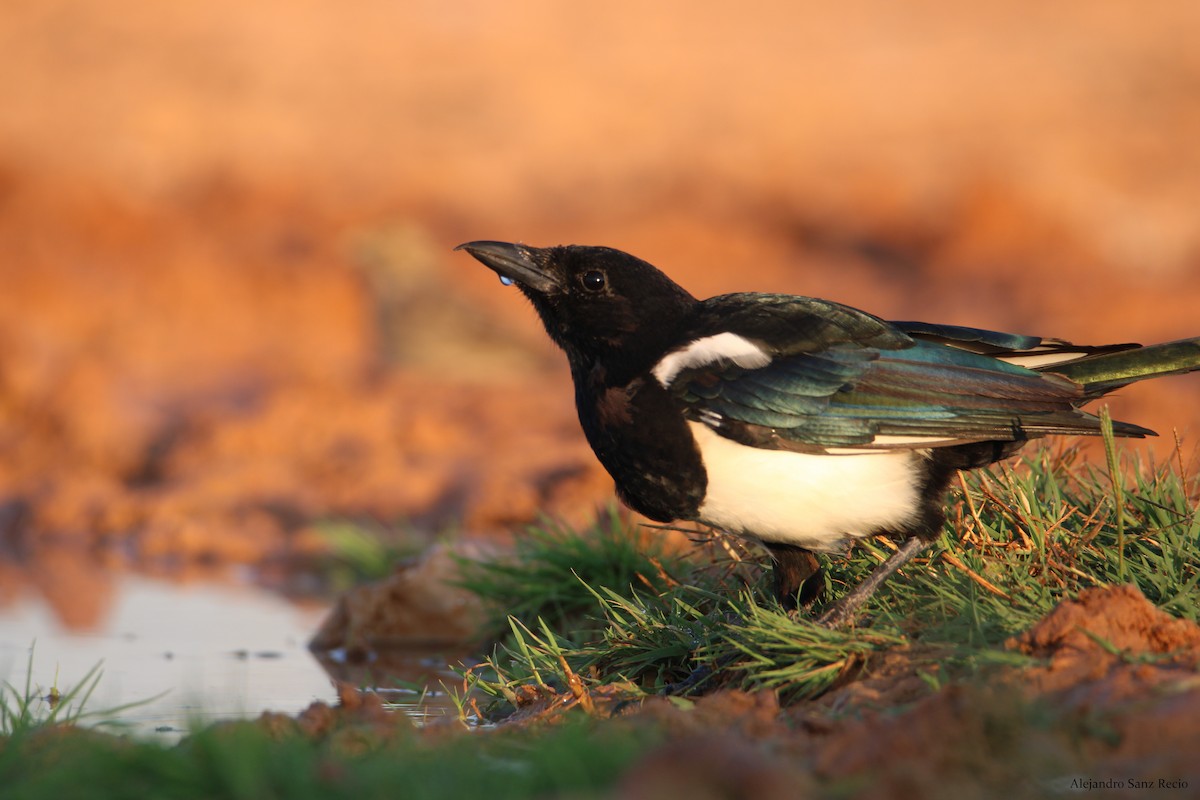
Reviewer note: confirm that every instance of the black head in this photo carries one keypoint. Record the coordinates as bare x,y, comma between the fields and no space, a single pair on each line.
598,304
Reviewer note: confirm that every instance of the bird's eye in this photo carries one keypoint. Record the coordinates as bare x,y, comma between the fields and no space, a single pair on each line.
592,280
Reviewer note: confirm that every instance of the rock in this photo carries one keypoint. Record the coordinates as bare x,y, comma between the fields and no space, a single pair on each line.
417,606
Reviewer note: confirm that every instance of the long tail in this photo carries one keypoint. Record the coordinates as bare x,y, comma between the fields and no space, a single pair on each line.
1102,373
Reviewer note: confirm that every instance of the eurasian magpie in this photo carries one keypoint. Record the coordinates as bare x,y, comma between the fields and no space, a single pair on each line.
802,423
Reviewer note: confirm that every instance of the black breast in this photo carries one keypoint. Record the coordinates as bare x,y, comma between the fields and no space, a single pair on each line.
638,432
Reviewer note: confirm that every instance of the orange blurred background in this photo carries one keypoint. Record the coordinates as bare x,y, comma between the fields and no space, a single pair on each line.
228,306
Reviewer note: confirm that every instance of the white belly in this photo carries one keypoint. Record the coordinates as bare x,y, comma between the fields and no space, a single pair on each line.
818,502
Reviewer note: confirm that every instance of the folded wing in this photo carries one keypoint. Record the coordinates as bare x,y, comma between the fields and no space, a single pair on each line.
832,379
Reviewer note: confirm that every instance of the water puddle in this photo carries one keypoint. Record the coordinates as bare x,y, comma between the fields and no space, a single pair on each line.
197,653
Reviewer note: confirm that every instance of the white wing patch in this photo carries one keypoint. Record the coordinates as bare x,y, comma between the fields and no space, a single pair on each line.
1033,359
723,346
880,443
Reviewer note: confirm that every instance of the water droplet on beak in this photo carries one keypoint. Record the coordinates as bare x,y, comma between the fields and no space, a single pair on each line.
506,281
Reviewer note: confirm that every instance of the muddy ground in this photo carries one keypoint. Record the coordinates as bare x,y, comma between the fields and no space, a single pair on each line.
228,306
1111,707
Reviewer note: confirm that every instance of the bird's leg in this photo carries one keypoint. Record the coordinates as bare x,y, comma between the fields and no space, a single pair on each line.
845,608
797,575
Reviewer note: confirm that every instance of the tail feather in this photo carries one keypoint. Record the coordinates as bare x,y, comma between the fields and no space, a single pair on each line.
1104,372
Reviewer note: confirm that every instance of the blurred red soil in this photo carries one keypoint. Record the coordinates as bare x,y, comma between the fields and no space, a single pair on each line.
228,306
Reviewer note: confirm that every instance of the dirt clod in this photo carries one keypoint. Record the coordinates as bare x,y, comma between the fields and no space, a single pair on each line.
1109,640
417,606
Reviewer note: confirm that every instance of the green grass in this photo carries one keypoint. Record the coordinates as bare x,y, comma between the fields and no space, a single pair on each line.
245,760
29,708
1020,538
551,567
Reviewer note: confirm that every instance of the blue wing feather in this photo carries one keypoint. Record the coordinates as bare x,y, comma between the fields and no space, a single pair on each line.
842,378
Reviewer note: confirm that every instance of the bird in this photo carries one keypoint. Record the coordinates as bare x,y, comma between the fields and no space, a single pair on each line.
802,423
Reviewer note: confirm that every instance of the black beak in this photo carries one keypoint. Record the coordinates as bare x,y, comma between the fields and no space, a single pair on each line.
514,262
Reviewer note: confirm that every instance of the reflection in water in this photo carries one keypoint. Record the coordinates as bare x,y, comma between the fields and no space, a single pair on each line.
417,682
75,589
216,651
